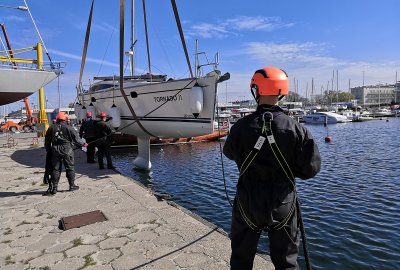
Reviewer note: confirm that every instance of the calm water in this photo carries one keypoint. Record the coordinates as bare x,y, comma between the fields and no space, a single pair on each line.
351,209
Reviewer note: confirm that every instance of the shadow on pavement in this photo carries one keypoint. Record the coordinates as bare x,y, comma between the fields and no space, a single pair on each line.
36,158
4,194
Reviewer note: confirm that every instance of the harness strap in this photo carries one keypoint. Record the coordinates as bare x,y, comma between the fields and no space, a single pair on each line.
267,135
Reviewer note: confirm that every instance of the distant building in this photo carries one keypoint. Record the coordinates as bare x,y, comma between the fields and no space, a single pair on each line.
376,95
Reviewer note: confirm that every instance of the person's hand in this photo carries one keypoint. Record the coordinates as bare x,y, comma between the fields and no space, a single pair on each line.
85,145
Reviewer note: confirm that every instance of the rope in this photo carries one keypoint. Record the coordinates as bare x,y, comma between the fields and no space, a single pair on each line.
85,46
178,23
37,30
147,36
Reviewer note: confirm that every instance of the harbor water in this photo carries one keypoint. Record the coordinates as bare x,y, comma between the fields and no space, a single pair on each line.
351,209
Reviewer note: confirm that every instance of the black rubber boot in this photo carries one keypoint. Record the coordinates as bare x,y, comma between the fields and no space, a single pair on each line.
48,192
46,179
55,189
72,185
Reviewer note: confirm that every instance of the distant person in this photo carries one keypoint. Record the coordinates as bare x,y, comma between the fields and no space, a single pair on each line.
60,140
270,150
103,133
87,132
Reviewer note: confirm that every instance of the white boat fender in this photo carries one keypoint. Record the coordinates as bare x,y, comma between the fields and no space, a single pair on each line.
91,109
115,115
196,100
77,110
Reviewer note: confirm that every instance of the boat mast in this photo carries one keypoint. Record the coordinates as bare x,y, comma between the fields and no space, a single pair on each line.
131,52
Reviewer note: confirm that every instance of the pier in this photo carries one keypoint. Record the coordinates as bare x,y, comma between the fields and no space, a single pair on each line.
142,231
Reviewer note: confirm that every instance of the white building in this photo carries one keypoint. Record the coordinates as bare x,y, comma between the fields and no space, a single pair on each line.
375,95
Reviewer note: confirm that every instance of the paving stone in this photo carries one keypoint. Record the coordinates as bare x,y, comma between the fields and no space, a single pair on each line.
143,236
92,239
81,251
113,243
126,262
119,232
159,265
106,256
69,264
14,266
189,260
99,267
45,242
137,247
59,248
27,256
46,260
172,239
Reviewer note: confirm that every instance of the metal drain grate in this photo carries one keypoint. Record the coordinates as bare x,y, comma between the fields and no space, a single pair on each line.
80,220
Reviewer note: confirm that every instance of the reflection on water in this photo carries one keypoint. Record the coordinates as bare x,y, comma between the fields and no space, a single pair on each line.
351,208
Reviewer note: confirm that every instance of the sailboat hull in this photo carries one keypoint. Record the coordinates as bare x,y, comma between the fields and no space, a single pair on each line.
163,108
17,84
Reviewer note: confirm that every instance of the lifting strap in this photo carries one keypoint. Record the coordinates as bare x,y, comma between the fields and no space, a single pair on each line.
266,134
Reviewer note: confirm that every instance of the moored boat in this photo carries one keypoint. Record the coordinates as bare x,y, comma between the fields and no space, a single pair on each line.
324,118
152,106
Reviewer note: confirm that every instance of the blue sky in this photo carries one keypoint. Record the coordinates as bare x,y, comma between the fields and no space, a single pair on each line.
309,39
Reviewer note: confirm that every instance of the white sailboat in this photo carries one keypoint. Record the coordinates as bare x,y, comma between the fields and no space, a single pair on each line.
152,106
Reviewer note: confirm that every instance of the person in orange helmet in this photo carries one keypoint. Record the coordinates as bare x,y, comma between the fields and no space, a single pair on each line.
271,150
87,132
103,133
59,139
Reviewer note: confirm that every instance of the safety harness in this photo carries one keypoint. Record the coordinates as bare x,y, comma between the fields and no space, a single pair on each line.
266,134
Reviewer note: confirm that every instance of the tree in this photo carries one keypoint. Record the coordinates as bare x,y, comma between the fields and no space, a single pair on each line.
294,97
334,96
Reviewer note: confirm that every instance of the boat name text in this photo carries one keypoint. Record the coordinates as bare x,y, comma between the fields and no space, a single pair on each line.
168,98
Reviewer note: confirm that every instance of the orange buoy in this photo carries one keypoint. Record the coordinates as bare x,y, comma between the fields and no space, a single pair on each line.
328,138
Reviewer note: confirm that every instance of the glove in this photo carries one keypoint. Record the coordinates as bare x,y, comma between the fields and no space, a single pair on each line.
85,145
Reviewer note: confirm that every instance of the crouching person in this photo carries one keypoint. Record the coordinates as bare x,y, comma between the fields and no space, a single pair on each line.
60,139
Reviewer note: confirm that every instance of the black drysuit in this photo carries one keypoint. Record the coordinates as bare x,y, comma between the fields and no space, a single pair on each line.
60,139
103,133
87,132
264,191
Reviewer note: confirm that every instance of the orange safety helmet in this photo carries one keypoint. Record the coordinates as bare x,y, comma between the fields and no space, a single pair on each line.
89,114
62,116
103,114
270,81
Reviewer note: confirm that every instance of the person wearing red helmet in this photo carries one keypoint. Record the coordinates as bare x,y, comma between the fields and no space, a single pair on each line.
271,150
59,139
103,133
87,132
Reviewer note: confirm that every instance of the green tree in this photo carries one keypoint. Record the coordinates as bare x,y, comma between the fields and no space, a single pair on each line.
340,96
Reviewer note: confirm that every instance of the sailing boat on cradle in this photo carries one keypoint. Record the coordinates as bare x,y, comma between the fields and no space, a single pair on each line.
150,105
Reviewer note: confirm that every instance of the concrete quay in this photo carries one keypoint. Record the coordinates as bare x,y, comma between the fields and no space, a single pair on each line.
141,232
